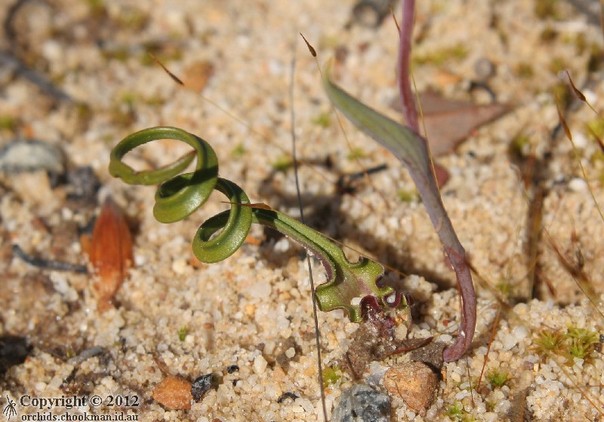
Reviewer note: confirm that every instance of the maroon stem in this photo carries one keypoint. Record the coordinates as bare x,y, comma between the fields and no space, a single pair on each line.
428,189
404,64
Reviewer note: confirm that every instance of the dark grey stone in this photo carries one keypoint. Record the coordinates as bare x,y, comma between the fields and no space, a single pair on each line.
362,403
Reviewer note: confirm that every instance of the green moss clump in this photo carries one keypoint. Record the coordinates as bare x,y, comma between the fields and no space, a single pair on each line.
557,64
581,342
575,343
331,375
595,128
282,163
439,57
548,342
8,122
407,195
322,120
182,333
239,151
505,288
356,154
497,378
520,146
456,412
548,35
524,70
547,9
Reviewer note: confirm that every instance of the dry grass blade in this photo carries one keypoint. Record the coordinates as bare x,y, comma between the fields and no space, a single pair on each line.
575,151
170,74
578,93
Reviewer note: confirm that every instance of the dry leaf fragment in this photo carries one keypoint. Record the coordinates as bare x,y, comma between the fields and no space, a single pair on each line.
197,74
449,122
173,393
110,252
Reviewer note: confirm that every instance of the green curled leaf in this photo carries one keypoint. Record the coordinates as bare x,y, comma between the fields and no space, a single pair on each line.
179,194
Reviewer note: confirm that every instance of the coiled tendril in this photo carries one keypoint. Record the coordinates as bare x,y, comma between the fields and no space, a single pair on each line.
179,194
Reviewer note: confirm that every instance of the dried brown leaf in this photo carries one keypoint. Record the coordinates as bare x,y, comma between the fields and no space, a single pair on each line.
196,76
110,252
450,122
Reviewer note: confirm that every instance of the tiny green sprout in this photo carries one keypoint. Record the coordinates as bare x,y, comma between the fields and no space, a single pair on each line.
356,153
322,120
498,378
441,56
560,90
7,122
505,288
557,65
331,375
456,412
120,54
239,151
548,35
132,18
519,146
548,342
524,70
182,333
595,128
581,342
406,196
545,9
97,7
282,163
597,157
128,98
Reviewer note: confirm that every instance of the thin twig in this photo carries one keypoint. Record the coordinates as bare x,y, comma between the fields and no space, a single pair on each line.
315,309
48,264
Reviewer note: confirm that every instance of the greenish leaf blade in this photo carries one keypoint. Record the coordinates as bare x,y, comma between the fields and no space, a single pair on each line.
406,145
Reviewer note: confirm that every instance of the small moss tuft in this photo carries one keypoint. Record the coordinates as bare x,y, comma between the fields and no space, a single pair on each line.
547,9
549,341
456,412
356,154
239,151
407,195
282,163
520,146
497,378
8,122
439,57
581,342
331,375
322,120
182,333
595,128
524,70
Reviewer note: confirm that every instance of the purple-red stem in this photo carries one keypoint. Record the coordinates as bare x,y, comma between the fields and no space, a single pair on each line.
404,64
428,190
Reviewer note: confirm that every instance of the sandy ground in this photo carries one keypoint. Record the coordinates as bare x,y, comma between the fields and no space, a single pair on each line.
175,316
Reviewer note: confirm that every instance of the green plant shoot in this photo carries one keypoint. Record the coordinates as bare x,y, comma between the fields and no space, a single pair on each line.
179,194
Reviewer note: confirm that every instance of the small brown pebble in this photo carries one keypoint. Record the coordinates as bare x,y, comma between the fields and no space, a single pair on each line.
173,393
414,382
